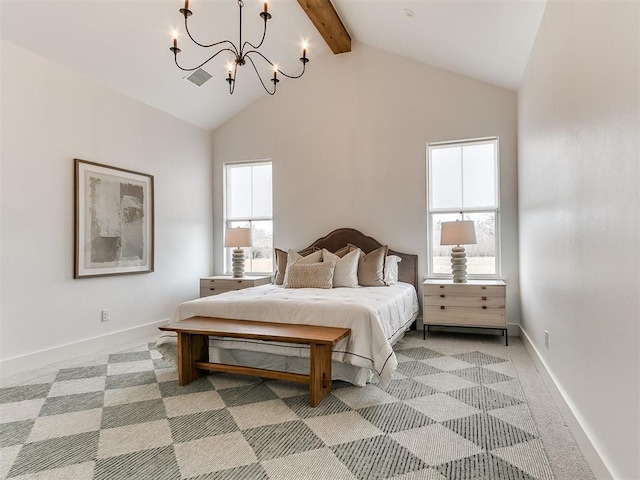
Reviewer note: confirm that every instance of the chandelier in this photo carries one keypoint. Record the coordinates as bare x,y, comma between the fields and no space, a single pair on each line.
242,53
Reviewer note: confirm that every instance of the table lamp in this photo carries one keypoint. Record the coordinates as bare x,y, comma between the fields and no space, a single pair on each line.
461,232
237,238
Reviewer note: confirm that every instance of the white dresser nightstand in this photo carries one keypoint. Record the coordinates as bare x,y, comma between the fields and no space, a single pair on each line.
226,283
477,303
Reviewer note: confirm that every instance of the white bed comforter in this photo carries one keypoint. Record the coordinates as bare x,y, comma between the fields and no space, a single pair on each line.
377,317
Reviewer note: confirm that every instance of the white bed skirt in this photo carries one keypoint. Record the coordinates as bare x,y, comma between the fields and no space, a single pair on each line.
339,371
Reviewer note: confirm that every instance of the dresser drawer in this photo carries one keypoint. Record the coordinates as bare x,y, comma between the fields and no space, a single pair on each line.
221,284
465,316
208,291
464,301
226,284
464,290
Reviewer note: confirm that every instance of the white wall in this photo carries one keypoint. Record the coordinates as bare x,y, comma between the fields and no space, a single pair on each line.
348,143
578,135
51,115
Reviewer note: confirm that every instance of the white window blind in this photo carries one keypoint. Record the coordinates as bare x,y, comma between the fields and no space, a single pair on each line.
463,183
248,203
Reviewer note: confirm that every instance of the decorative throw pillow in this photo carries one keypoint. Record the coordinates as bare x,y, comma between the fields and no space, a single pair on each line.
309,250
342,252
310,275
281,263
371,267
391,269
281,266
294,257
346,271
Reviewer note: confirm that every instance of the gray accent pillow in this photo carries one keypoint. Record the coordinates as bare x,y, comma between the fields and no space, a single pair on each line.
342,251
310,275
281,266
371,267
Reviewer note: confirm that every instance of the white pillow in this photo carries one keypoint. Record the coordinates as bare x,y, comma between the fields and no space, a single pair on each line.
391,269
346,271
294,257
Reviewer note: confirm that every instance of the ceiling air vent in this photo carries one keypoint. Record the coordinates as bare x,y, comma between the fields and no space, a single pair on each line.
198,77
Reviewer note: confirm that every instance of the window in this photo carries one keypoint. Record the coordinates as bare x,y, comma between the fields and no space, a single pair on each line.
463,183
248,204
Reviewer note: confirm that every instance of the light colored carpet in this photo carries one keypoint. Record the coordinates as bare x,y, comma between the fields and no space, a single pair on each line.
460,407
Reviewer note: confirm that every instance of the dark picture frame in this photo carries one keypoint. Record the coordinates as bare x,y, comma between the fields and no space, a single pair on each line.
113,220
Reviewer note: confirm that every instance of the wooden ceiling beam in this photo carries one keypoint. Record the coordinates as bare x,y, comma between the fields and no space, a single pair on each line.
328,23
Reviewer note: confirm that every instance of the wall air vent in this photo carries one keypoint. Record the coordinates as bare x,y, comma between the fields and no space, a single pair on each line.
198,77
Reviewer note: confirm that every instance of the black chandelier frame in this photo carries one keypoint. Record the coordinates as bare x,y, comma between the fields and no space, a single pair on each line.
241,55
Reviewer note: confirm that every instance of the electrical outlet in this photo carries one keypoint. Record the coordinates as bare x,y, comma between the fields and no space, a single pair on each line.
106,315
546,338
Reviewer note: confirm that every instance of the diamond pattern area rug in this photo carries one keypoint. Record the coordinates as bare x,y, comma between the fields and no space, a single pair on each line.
446,415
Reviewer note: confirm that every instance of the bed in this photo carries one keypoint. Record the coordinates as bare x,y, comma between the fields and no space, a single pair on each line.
377,316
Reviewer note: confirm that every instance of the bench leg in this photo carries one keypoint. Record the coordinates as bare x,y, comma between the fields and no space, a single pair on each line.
320,373
191,348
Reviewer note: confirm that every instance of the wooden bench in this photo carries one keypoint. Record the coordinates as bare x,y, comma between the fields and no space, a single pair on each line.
193,349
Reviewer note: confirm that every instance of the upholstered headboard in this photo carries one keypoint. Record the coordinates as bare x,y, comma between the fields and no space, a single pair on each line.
407,268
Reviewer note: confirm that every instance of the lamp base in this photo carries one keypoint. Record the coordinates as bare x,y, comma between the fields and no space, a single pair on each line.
237,263
459,265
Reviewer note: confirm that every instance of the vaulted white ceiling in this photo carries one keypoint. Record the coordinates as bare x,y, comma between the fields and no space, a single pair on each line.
125,44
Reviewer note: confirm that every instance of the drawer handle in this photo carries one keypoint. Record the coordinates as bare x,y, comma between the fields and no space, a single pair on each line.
483,287
239,281
441,307
212,289
441,286
484,298
441,296
484,307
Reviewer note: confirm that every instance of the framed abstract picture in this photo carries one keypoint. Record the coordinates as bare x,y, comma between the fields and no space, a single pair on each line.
113,220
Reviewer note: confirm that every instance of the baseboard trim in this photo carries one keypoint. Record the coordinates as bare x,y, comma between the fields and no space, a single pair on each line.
61,353
576,424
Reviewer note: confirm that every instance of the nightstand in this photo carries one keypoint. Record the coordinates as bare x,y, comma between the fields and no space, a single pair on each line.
477,303
226,283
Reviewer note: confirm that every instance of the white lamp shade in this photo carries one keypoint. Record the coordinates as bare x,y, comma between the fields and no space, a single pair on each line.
237,237
461,232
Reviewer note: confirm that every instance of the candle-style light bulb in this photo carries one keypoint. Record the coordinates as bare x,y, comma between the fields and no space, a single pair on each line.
230,78
185,11
275,72
266,5
304,49
174,34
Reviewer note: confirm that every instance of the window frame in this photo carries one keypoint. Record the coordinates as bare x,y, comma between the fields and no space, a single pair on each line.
495,210
227,221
